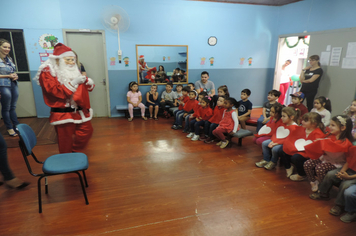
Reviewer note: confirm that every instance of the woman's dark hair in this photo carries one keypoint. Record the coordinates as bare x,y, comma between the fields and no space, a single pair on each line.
278,110
207,100
314,118
343,120
323,100
225,90
159,68
315,58
233,102
132,83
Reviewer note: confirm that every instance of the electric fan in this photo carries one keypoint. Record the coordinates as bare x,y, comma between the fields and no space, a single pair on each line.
115,19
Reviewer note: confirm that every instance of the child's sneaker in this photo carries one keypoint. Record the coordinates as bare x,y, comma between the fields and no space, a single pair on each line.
190,135
178,127
195,137
297,177
219,143
270,165
290,171
174,127
314,185
261,163
202,138
224,144
209,140
165,113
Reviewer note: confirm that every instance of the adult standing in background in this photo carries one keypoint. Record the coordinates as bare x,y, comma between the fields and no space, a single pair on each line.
8,88
310,78
142,65
284,81
205,85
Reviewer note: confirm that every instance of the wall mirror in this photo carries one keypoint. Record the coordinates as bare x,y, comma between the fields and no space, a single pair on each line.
162,63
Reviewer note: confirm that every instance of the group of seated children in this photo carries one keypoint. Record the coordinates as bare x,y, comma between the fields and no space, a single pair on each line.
160,76
323,155
319,147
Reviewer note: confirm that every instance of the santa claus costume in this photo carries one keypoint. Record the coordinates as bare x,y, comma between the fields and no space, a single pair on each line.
65,90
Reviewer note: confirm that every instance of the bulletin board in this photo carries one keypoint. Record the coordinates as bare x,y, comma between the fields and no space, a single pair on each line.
338,83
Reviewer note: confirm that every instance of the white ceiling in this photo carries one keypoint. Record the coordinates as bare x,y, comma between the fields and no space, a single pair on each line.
256,2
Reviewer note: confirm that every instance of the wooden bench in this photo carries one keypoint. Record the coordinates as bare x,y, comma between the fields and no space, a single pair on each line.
124,108
240,134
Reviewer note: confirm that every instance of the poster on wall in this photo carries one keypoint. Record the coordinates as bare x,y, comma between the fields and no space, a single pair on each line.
211,59
202,61
47,41
335,56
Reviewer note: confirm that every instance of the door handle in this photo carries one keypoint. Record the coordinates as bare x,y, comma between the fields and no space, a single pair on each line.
104,82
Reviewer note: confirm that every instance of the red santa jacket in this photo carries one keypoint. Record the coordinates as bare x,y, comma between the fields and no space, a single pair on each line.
282,132
217,115
205,113
295,143
65,96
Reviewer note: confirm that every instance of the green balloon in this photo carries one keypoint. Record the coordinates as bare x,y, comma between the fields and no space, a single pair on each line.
295,77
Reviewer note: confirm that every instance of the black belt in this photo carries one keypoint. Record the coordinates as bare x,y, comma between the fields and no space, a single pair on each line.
67,109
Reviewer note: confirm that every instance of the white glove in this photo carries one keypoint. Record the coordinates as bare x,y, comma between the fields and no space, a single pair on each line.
78,80
90,82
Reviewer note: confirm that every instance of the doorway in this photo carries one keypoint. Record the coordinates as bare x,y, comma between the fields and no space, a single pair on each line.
91,51
294,48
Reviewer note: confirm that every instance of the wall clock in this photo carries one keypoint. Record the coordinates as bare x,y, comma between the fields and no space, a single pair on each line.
212,41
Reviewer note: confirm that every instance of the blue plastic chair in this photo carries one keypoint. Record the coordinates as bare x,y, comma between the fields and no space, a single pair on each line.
54,165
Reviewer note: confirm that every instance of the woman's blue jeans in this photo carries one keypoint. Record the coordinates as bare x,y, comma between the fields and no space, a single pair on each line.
271,154
9,96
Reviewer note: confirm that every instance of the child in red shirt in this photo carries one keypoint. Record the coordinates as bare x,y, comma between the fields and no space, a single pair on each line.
188,107
202,114
293,147
213,122
181,101
297,103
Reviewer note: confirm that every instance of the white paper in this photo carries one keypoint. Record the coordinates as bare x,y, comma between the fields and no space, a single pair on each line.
324,58
349,63
335,56
351,49
328,48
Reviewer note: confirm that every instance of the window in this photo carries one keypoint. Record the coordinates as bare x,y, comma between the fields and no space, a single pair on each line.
18,52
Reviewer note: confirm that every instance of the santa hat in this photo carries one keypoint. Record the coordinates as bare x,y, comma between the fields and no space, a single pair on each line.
61,50
141,57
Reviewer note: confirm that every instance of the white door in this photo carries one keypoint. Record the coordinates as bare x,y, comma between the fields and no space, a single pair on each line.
90,47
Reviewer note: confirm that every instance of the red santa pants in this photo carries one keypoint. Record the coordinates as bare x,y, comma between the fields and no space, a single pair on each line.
73,137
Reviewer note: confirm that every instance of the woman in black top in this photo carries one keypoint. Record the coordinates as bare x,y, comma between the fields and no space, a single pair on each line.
310,78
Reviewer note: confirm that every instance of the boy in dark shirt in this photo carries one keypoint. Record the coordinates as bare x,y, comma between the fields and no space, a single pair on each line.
272,98
297,99
245,108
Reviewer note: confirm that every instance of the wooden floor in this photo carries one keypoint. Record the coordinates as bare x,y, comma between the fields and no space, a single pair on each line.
147,179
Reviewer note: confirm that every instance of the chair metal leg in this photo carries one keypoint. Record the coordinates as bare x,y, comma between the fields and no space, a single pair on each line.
85,179
46,185
39,195
240,142
83,188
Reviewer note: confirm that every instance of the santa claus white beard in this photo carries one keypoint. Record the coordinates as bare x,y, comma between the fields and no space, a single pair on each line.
66,72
